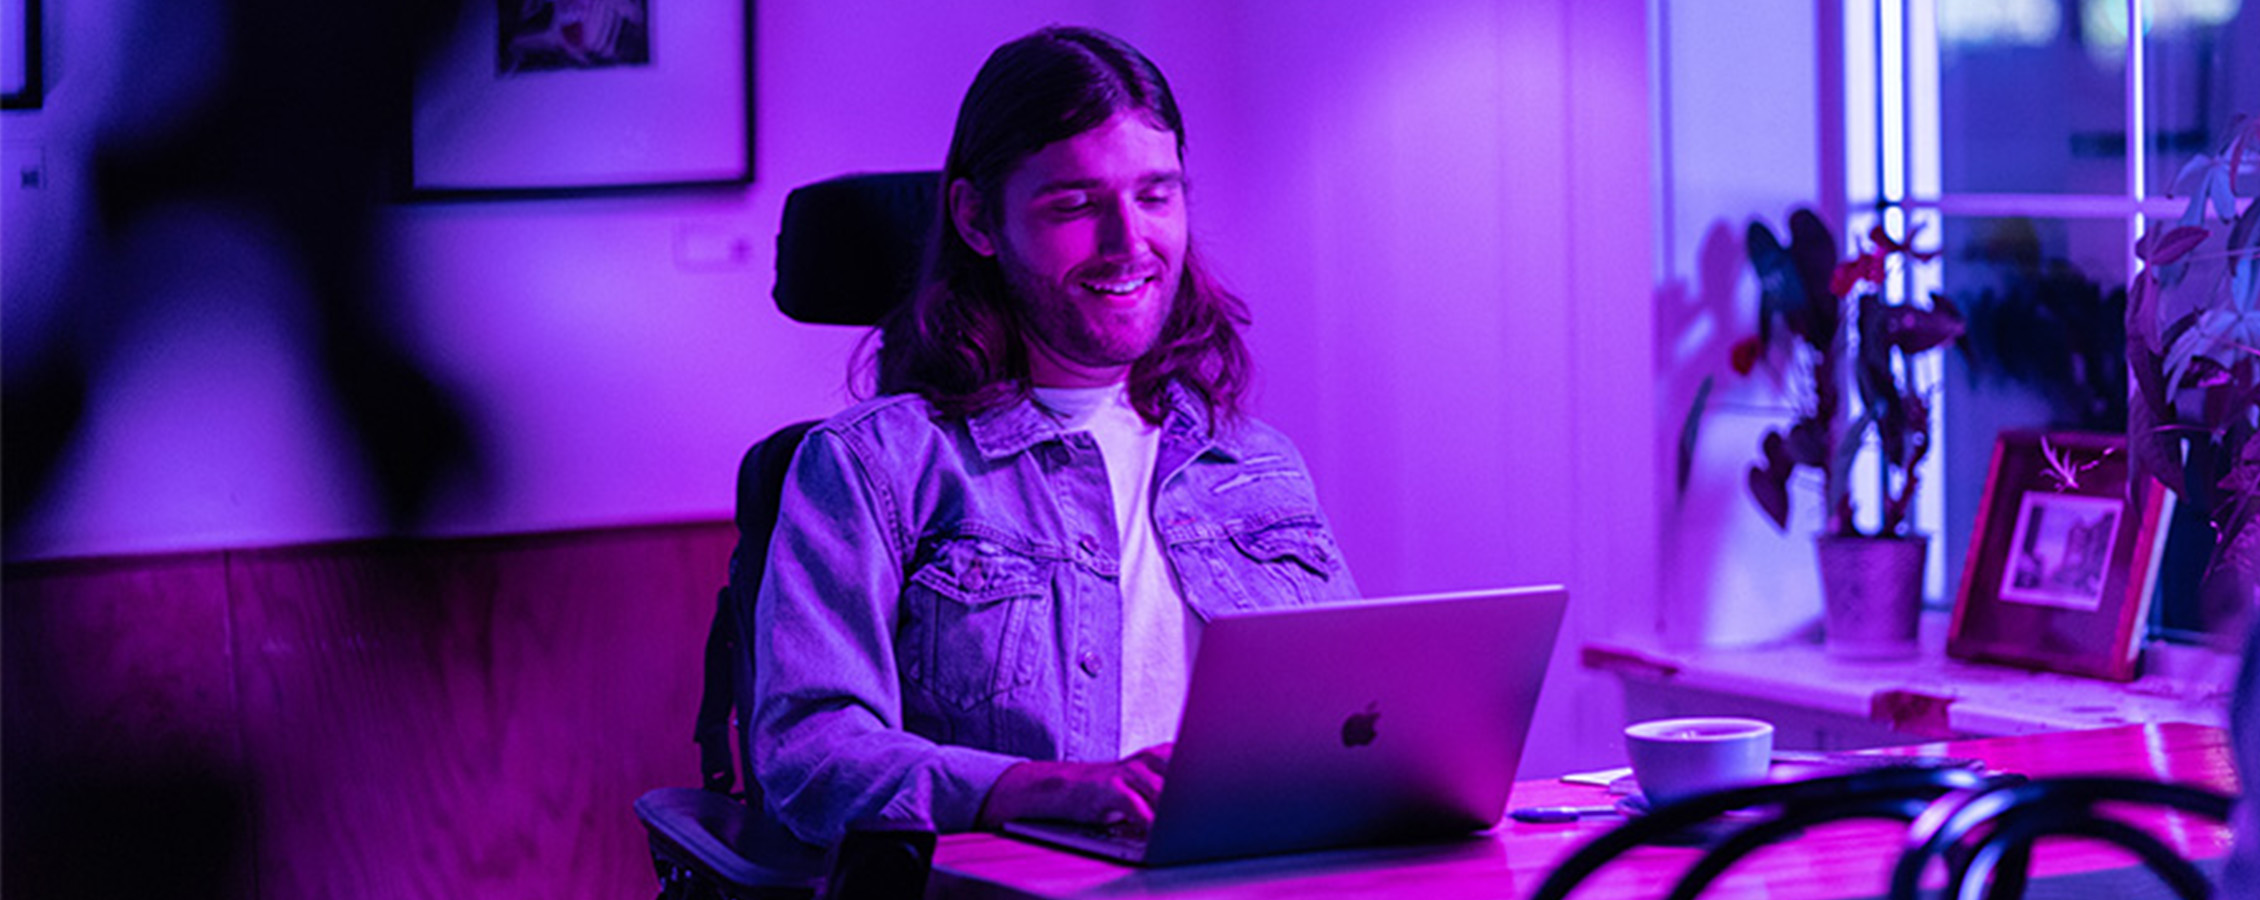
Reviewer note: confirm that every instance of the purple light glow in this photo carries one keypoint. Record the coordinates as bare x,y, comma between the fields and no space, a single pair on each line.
1438,210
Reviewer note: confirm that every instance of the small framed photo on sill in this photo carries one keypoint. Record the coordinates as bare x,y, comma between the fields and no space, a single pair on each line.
2063,559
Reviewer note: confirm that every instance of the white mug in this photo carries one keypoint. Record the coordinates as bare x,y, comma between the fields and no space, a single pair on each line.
1674,759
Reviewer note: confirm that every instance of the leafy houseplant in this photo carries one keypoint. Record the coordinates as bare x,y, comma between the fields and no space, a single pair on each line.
2057,333
1826,320
2193,340
1807,292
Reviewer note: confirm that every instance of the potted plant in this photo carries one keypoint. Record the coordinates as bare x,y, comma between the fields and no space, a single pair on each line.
2193,341
1824,323
2055,332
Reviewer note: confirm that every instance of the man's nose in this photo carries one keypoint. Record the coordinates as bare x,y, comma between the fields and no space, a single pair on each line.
1118,229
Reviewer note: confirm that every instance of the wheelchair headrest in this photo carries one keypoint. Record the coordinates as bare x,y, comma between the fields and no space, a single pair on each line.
849,248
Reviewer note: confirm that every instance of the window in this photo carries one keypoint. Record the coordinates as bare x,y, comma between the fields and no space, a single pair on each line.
2001,129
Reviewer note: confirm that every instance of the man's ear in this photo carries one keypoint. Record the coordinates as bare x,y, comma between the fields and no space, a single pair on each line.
965,215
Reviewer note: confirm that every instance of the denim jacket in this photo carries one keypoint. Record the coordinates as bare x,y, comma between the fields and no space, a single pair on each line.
941,598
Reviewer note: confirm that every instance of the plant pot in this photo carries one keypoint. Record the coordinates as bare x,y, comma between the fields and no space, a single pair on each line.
1871,595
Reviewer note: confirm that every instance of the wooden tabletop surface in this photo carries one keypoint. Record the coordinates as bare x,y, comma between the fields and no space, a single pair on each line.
1850,859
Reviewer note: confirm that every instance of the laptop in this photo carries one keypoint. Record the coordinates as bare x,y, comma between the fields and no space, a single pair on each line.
1382,721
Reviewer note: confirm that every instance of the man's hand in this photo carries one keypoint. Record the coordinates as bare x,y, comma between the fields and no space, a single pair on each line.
1116,794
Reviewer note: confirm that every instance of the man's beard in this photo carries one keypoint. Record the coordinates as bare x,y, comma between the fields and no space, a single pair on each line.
1081,328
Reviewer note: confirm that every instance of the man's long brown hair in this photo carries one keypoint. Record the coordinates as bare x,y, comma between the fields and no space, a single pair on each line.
960,340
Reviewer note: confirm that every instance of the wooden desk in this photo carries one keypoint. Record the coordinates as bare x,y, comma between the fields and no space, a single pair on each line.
1850,859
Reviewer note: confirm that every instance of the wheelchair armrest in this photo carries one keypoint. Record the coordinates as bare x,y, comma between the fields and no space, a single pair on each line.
718,834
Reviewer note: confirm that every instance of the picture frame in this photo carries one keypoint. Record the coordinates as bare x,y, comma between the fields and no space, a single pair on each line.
22,85
2063,559
549,98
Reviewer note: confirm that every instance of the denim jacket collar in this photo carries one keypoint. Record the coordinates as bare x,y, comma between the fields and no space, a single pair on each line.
1013,428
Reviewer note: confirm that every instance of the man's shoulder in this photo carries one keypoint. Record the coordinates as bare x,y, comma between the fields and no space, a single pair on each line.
884,419
1247,435
886,412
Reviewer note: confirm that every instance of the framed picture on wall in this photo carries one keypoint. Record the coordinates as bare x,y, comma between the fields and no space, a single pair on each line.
569,97
2063,558
20,38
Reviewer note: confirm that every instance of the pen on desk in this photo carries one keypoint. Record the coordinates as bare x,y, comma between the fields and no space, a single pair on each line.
1558,814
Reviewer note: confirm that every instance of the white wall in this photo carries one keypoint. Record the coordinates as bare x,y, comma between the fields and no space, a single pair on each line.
1447,245
1438,209
1745,138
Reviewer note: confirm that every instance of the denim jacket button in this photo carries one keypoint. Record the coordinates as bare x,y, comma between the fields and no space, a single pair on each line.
1090,663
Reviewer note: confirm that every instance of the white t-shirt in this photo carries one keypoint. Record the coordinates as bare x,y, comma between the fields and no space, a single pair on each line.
1156,624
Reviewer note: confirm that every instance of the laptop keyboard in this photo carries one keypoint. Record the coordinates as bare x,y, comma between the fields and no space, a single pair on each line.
1095,838
1114,835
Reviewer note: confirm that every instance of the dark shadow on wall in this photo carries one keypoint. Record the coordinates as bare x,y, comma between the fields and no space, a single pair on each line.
296,109
292,130
1697,326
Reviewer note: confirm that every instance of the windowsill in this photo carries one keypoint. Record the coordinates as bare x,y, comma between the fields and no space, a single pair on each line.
1931,695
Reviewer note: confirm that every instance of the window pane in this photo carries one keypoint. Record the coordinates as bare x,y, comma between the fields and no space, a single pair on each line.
2046,347
2027,103
2202,58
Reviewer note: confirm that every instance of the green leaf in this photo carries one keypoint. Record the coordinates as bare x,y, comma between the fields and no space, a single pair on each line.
1814,247
2229,399
1772,495
2205,179
2191,178
2164,247
2142,313
2153,447
2245,233
2241,284
1781,289
2206,338
2224,196
1912,330
2236,516
2149,377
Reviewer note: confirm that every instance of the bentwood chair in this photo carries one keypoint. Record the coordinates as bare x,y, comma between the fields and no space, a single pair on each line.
1985,837
848,250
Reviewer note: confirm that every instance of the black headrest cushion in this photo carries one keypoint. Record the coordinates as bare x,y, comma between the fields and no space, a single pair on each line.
849,249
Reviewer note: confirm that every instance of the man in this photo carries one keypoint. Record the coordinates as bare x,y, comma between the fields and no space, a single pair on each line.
987,583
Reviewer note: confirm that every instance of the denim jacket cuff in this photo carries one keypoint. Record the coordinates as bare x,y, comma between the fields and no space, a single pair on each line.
967,776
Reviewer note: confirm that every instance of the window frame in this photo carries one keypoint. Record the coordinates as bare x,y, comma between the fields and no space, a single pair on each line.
1892,172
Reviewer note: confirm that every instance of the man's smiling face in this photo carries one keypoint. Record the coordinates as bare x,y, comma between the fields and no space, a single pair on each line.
1091,239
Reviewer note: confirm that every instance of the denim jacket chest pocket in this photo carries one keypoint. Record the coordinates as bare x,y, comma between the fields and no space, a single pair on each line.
972,599
1303,542
1270,562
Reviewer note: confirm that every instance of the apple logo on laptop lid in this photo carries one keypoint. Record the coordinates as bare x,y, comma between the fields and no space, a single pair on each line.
1358,730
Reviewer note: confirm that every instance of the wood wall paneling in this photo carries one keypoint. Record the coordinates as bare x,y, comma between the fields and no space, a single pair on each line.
124,771
467,718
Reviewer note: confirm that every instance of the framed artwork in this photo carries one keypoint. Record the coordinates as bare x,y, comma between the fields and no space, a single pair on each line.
2064,558
20,83
571,97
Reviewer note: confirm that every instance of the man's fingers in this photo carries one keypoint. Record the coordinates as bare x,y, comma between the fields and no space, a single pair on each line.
1135,815
1155,757
1140,778
1142,782
1146,769
1117,794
